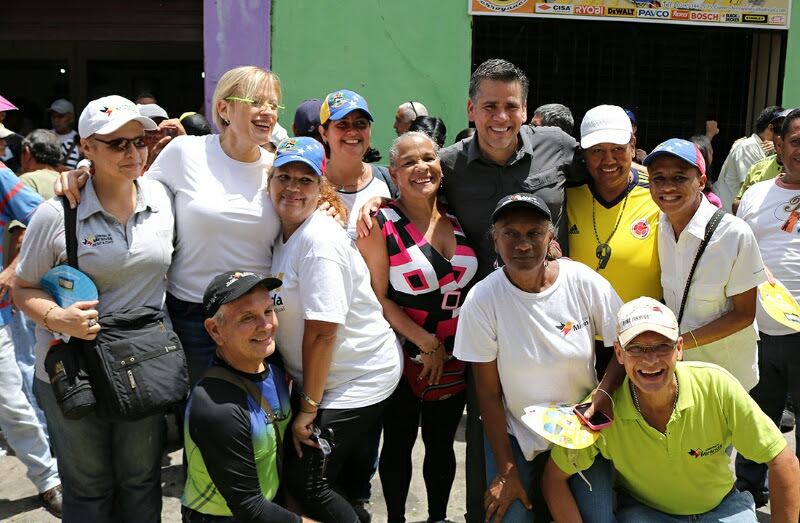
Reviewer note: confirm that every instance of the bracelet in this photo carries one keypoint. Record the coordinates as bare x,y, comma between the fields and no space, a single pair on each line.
45,318
309,400
607,394
430,353
696,345
307,411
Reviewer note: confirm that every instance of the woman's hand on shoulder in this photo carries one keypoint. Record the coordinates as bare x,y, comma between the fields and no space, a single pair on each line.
330,210
364,223
69,184
78,320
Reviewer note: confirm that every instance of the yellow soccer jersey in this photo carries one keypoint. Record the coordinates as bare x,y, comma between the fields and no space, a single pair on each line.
632,267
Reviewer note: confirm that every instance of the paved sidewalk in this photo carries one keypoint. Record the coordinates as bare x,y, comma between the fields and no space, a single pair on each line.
18,501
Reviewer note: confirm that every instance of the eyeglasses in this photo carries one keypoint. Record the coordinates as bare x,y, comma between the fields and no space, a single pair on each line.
660,349
255,104
122,144
414,109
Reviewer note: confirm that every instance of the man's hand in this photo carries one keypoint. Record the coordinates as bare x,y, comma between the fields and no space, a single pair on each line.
501,493
7,278
301,431
712,129
600,403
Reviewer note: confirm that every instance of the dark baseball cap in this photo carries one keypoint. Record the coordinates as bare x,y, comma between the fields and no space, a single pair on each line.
232,285
520,201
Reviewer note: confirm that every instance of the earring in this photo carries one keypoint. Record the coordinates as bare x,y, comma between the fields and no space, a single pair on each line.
226,122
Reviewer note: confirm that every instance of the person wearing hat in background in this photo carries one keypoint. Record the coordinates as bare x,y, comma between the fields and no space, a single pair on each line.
62,118
125,230
563,305
195,124
611,218
673,421
233,445
346,128
407,113
343,357
716,312
306,119
153,111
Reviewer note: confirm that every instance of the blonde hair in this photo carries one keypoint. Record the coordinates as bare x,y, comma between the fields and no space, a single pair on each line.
244,82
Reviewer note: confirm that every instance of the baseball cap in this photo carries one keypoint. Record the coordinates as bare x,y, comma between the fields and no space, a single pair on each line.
683,149
301,149
62,106
5,132
520,201
605,124
107,114
631,116
781,114
306,117
339,104
643,315
152,111
232,285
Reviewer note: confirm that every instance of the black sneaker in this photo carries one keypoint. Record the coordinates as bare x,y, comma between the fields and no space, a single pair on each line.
51,499
363,512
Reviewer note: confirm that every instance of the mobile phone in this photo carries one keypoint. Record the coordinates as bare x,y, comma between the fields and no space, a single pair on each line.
170,130
599,420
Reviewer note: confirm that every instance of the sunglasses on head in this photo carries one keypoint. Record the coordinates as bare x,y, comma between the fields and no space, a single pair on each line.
122,144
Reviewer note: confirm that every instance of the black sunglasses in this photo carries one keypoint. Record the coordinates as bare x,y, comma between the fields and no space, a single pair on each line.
122,144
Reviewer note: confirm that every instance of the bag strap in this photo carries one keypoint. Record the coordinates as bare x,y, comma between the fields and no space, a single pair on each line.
70,232
72,145
254,392
711,226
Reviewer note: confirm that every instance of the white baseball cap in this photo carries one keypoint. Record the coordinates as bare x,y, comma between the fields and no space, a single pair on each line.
605,124
152,111
106,115
643,315
5,132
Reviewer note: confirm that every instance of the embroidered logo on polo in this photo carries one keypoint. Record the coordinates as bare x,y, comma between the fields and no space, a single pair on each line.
566,328
93,240
641,229
702,453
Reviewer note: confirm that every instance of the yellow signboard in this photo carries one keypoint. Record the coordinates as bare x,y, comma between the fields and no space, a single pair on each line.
763,14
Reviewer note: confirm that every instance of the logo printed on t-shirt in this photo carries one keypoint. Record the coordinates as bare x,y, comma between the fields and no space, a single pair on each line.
93,240
574,229
640,229
702,453
569,326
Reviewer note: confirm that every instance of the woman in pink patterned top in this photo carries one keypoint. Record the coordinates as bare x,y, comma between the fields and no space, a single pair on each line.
421,268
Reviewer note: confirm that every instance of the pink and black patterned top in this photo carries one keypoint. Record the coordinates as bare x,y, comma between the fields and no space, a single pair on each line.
429,287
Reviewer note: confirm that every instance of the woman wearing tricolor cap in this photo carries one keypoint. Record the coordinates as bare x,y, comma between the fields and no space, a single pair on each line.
111,471
341,353
716,308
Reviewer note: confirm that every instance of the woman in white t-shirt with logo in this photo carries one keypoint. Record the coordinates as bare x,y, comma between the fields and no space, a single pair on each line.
336,345
529,329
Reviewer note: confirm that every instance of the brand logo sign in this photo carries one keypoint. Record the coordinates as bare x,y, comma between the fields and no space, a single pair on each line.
554,8
621,11
591,10
777,19
679,14
754,19
733,18
701,16
652,13
502,5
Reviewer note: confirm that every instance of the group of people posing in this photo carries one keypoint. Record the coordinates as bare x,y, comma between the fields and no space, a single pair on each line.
445,287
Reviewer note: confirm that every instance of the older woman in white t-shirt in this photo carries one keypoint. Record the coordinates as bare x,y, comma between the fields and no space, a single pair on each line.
336,345
529,330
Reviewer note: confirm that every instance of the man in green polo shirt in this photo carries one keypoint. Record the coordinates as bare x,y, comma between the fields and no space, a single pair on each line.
672,424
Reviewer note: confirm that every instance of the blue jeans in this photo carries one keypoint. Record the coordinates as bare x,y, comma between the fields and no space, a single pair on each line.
111,470
736,507
595,505
23,332
187,322
18,420
779,374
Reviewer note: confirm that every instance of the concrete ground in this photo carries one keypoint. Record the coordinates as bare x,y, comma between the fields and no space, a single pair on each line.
19,503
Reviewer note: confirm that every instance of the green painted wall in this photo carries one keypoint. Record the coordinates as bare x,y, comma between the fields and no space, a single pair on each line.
791,79
388,51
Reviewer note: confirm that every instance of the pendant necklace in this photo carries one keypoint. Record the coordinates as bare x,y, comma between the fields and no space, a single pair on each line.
636,398
603,251
343,186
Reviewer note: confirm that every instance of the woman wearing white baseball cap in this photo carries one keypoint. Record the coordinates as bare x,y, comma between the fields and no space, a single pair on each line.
111,471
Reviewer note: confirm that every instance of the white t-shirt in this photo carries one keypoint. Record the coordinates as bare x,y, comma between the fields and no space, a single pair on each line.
224,217
730,265
356,200
543,342
325,279
772,209
734,170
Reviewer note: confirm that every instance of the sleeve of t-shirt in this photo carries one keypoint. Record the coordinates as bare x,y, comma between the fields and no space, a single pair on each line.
326,286
604,310
18,200
748,267
167,166
220,428
754,435
43,247
476,336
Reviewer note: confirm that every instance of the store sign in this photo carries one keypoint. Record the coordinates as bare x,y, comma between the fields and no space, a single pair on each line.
772,14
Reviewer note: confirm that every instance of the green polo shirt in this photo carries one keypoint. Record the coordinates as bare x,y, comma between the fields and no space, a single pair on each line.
684,471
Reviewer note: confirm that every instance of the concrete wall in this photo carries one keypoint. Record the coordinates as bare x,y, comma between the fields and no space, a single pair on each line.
791,80
387,51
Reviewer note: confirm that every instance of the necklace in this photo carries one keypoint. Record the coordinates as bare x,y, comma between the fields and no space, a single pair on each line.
636,398
603,251
343,186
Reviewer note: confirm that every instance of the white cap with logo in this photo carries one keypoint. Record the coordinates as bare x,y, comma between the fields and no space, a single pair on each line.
645,314
605,124
107,114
